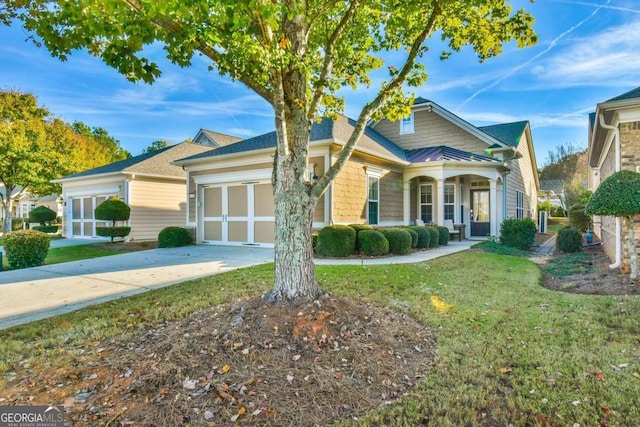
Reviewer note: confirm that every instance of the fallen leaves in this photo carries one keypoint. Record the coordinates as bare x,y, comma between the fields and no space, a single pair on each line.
440,306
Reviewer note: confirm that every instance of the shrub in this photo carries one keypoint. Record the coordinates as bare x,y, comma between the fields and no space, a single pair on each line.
113,231
414,237
399,240
443,235
558,212
173,237
373,243
113,209
518,233
578,219
358,228
336,241
314,241
25,248
46,228
17,224
434,237
42,215
423,236
569,240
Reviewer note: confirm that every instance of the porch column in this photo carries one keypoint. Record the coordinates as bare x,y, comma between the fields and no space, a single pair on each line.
439,197
493,203
406,202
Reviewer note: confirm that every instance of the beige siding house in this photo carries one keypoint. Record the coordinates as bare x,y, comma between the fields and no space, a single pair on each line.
432,166
153,187
614,145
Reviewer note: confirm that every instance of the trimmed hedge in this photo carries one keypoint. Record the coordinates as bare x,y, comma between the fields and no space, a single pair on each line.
569,240
25,248
518,233
443,235
46,228
399,240
358,228
434,236
42,215
173,237
113,231
423,236
336,241
414,237
578,219
373,243
113,210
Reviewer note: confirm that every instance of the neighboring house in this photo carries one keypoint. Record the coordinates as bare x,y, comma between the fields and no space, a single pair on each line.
614,145
431,166
153,187
552,190
23,203
214,139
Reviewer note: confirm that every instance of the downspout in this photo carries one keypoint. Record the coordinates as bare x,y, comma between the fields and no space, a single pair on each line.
616,143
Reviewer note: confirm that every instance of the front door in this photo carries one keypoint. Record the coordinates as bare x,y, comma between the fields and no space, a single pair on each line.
480,220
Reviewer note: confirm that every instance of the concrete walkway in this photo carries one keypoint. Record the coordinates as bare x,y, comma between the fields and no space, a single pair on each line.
36,293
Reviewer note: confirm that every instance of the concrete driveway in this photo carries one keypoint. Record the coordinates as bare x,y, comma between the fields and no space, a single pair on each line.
40,292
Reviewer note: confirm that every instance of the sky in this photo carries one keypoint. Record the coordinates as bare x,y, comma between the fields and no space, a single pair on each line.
587,53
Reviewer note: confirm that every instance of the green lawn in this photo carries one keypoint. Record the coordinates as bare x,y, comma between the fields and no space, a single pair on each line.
555,224
509,352
70,253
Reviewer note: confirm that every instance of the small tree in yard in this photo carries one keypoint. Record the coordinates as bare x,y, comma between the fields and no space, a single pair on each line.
113,210
299,56
619,196
43,215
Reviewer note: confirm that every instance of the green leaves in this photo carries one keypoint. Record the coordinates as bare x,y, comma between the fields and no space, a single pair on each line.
618,195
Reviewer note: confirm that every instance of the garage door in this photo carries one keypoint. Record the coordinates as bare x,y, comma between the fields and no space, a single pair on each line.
238,214
83,223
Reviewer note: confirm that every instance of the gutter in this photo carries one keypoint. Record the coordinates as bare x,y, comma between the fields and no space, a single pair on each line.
616,142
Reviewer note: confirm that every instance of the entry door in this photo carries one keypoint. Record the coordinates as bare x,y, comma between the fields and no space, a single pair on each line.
480,220
238,214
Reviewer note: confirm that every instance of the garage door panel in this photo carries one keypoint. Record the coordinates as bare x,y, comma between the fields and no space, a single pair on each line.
238,201
213,231
264,231
238,231
213,201
263,200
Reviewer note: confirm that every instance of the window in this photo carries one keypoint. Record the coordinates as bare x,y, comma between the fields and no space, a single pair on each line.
373,199
449,201
426,203
519,204
406,124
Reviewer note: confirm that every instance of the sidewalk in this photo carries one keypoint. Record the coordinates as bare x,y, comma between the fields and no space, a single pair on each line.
36,293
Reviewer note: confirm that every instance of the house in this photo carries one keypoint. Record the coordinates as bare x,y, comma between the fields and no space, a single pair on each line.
25,202
153,187
614,145
432,165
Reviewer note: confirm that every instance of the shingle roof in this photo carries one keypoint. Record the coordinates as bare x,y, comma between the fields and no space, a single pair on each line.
507,133
221,138
327,129
634,93
444,153
157,162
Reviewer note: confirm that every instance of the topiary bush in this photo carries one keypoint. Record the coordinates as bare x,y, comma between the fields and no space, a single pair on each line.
399,240
50,229
569,240
518,233
434,237
173,237
578,219
25,248
42,215
113,210
336,241
358,228
443,235
373,243
423,236
414,237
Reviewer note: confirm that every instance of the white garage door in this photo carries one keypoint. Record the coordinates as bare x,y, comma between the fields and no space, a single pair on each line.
83,223
237,214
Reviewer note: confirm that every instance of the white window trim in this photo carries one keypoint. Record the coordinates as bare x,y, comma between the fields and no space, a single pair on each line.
519,204
453,203
376,175
420,204
409,124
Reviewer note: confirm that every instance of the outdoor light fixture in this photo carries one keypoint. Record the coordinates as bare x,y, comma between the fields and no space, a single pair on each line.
192,195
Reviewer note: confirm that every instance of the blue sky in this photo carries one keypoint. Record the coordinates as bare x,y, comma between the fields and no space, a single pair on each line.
587,53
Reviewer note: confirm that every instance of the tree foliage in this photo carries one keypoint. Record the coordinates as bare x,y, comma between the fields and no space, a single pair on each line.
297,55
156,145
36,148
566,165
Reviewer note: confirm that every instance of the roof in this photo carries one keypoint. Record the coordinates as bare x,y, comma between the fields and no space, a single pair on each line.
444,153
507,133
158,162
327,129
215,139
632,94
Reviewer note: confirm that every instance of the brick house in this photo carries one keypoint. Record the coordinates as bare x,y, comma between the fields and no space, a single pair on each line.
614,144
433,166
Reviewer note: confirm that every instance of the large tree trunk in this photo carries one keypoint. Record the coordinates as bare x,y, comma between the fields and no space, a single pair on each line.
7,205
631,246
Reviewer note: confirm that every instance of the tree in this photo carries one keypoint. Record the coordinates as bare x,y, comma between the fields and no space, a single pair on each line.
619,196
113,210
156,145
35,149
566,164
297,55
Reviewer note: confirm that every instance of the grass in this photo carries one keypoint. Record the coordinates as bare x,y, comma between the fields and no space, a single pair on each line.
510,352
70,253
555,224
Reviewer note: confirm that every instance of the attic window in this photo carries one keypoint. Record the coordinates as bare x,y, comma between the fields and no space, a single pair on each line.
406,124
